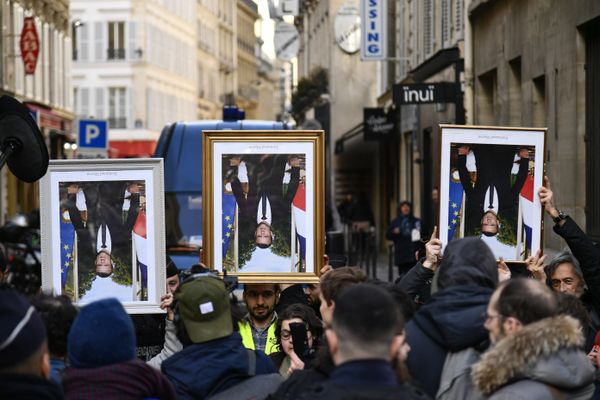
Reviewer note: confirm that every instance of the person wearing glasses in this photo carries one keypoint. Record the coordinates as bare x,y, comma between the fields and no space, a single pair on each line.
535,353
287,360
451,321
257,328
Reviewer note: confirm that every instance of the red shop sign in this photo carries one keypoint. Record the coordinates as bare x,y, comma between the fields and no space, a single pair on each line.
30,45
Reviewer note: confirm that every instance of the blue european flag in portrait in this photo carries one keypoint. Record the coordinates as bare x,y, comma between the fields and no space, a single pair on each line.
67,239
228,213
455,195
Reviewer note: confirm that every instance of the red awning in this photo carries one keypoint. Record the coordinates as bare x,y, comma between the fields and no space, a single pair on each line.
46,118
131,148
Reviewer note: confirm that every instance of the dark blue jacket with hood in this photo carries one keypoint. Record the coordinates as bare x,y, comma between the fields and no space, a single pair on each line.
453,319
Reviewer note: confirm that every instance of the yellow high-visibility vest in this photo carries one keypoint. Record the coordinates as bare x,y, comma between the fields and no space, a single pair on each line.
246,333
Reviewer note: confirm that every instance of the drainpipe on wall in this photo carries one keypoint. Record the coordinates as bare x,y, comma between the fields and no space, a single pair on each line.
468,57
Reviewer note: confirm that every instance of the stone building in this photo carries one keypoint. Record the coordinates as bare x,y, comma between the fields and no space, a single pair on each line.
247,61
135,65
46,92
427,45
537,63
209,86
352,85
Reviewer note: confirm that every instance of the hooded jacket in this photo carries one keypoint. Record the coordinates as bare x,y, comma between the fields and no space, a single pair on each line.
454,317
541,361
198,368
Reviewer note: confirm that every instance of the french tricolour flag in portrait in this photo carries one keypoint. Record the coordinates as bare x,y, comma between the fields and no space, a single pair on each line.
526,201
299,210
140,240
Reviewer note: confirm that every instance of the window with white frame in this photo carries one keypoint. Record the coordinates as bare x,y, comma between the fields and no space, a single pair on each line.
116,41
117,107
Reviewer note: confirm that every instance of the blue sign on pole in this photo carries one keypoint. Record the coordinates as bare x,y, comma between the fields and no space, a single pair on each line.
93,134
373,44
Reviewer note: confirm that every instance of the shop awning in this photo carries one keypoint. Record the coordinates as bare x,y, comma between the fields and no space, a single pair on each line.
131,148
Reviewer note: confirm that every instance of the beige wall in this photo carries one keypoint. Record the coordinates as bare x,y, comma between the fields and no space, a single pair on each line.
550,92
209,85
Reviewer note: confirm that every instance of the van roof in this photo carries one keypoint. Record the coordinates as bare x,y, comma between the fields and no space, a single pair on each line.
180,145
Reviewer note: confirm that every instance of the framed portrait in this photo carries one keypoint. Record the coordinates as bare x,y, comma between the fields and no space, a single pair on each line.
489,179
263,213
102,224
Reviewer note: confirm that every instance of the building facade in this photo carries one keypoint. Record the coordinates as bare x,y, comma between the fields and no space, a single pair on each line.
228,51
537,63
427,46
46,92
352,85
209,86
247,60
134,64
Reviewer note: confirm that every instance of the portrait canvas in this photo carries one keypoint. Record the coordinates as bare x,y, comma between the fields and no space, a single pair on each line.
489,182
102,224
264,206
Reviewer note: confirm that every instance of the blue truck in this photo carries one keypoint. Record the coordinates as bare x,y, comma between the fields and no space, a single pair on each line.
180,145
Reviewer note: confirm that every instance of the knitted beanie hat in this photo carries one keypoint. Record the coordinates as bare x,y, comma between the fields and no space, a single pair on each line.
102,334
22,330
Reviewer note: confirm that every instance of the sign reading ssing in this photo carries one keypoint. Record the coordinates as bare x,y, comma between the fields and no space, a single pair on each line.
29,45
377,124
423,93
373,40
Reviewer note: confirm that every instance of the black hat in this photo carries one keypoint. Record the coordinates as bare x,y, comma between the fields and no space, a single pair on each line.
22,330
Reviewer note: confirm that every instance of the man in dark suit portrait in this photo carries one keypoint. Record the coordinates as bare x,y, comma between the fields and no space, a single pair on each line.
264,187
103,215
494,191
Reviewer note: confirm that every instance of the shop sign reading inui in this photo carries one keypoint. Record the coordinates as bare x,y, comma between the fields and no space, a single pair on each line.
373,40
30,45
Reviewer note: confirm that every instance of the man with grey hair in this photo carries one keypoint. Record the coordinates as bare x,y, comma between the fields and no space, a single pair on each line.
578,273
564,275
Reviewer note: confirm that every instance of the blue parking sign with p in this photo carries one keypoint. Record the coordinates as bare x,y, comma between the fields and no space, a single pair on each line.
93,134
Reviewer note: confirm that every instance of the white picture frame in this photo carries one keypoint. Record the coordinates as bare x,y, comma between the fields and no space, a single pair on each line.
103,231
509,197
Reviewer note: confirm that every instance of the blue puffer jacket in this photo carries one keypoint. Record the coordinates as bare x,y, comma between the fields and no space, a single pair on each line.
453,319
196,369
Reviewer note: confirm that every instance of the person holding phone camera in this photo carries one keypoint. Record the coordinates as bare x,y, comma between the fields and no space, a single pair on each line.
299,331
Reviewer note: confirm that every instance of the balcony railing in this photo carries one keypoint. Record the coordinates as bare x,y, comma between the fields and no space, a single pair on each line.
116,54
117,122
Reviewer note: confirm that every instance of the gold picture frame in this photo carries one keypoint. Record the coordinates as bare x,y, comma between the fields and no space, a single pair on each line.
263,204
513,200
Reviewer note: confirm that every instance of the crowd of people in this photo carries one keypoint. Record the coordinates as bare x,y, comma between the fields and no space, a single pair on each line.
456,326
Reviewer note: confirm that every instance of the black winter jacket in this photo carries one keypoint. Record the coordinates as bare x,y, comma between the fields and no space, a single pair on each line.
454,317
588,255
